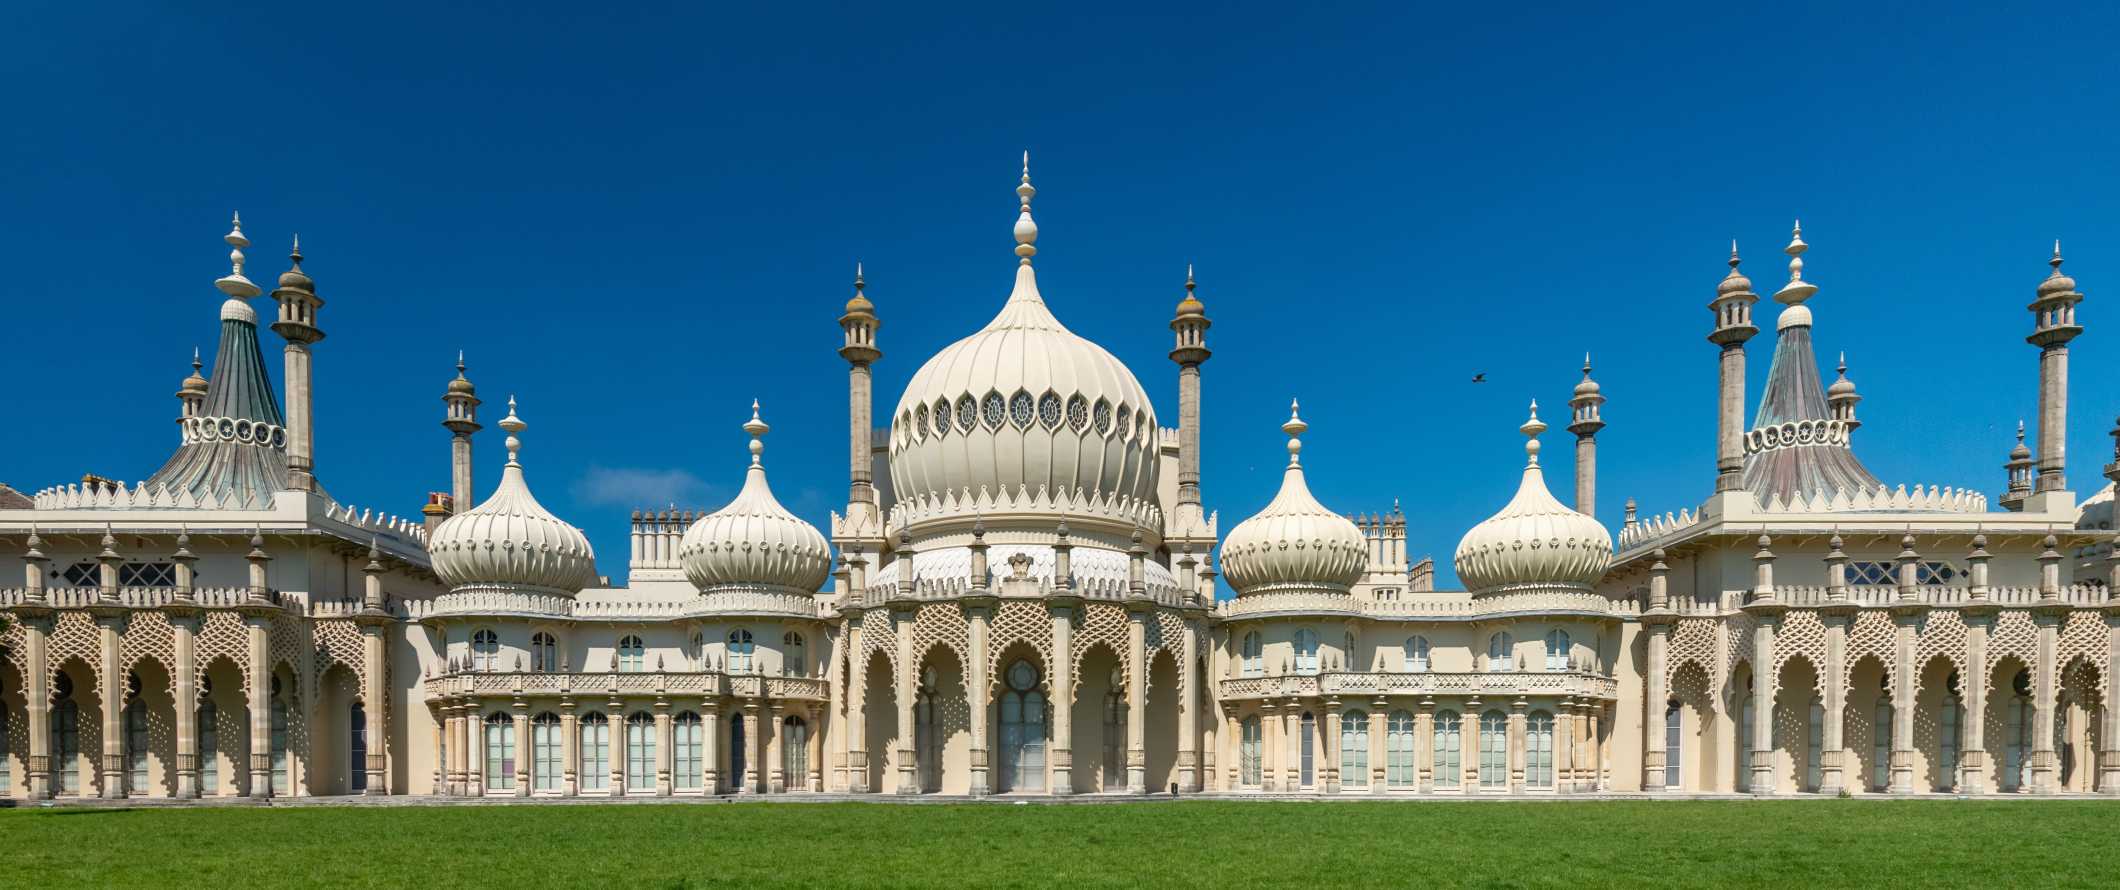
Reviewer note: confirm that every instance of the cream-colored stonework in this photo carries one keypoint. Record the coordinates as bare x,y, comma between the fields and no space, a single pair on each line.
1018,598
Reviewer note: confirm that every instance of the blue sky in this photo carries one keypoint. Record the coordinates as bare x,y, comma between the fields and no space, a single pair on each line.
639,217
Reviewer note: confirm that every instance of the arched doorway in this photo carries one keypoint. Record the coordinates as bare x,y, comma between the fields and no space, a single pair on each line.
739,757
795,753
1023,720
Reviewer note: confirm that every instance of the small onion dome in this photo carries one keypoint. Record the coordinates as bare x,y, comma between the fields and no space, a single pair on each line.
1295,542
194,385
1735,282
511,540
462,383
1588,387
1191,305
294,277
2056,283
1842,387
1535,540
860,304
754,541
2020,452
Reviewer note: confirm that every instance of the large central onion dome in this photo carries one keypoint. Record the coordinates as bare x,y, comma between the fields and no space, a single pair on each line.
1535,541
1295,543
754,541
511,541
1024,405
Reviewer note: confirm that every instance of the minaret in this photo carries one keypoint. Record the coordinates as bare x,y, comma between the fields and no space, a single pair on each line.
1587,421
859,324
1841,398
1733,326
2053,325
297,325
2019,471
461,420
191,395
1190,326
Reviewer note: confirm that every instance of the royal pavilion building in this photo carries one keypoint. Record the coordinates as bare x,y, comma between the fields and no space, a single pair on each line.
1019,597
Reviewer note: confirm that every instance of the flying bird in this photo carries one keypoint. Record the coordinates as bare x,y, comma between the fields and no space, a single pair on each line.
1480,377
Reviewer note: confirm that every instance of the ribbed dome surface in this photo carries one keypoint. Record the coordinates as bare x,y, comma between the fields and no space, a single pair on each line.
754,540
1295,541
1535,540
1024,403
511,540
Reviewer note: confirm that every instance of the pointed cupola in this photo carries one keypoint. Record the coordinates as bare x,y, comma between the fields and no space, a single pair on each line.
1796,446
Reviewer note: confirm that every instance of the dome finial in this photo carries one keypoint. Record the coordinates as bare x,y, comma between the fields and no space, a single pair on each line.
1294,428
1531,429
1797,290
195,363
235,285
757,428
460,363
1026,228
2056,261
859,281
294,255
514,425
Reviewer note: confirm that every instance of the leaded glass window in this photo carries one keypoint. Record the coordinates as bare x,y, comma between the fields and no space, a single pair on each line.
1248,752
1254,655
942,417
1049,411
485,649
794,661
1019,409
632,655
147,574
1538,750
1416,653
795,752
1501,652
136,748
1102,414
548,752
1308,744
1126,421
1306,651
920,421
1077,413
967,413
1674,745
741,651
993,411
1354,749
1881,750
500,752
688,752
209,749
544,652
1556,650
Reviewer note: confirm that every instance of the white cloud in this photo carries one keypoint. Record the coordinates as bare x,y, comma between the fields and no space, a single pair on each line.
635,487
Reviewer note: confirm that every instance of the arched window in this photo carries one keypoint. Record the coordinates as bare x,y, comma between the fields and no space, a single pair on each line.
1501,652
1416,654
741,650
1449,768
1494,750
1538,750
1307,746
547,752
632,656
1023,730
1814,748
66,738
136,747
1556,650
1254,653
640,752
1399,769
357,747
1354,750
209,727
595,773
795,752
1306,651
739,754
485,650
1348,655
1881,750
794,657
544,652
688,752
1248,753
1744,740
277,741
1948,739
1674,745
500,752
2017,733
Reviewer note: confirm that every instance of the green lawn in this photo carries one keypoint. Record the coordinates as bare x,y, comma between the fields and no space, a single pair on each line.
1225,844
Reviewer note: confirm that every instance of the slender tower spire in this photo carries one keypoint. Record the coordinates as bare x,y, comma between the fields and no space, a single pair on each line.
297,324
1026,228
859,324
2053,325
1190,327
2018,470
460,418
1588,419
1732,308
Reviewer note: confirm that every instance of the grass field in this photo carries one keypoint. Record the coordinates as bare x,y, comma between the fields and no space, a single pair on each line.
1226,844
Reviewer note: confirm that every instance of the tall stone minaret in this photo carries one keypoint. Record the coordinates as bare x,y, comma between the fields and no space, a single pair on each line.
297,324
2053,325
1732,307
859,324
1190,327
1585,424
461,420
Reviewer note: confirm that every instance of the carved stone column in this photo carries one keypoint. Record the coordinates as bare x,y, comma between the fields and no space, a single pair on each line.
710,745
816,749
1379,707
977,612
1061,608
908,686
776,751
1139,611
1424,747
1516,745
524,748
183,625
375,703
110,768
1190,696
1469,747
570,748
755,745
854,736
616,719
665,748
258,626
1269,746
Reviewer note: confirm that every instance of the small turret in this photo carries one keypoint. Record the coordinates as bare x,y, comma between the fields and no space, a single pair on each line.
1732,307
297,324
1586,421
1190,328
461,420
1841,398
2019,470
2053,326
191,394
